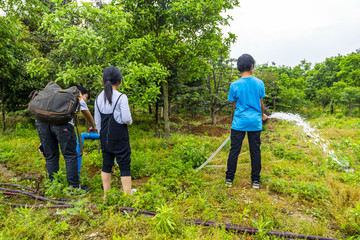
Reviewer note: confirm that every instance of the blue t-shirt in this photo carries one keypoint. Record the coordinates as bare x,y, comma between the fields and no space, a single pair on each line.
246,92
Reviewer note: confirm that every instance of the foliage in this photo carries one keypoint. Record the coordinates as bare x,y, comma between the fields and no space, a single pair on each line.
90,39
164,220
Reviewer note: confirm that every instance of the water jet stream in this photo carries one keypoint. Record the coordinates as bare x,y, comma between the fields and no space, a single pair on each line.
314,136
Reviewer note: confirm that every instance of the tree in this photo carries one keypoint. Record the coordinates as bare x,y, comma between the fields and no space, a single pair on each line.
271,86
322,75
350,69
14,53
350,96
178,29
91,38
325,96
218,72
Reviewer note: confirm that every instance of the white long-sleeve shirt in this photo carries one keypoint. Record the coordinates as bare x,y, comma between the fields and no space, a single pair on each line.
122,113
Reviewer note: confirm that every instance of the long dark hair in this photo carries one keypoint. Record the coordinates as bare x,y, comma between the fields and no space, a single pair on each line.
111,76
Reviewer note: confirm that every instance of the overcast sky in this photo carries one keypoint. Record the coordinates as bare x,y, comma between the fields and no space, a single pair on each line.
288,31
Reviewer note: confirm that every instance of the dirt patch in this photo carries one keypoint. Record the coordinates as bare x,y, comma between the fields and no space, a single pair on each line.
175,119
6,173
226,120
93,170
198,118
203,129
140,181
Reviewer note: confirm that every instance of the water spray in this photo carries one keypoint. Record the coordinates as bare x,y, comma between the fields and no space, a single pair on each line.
314,136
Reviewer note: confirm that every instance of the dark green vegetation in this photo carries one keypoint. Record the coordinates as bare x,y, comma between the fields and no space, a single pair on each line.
302,192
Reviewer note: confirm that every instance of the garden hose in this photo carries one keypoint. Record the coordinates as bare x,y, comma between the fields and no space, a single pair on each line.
214,154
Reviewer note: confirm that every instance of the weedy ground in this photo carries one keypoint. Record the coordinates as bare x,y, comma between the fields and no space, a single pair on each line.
303,191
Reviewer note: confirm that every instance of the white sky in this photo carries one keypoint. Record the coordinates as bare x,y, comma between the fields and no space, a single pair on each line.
288,31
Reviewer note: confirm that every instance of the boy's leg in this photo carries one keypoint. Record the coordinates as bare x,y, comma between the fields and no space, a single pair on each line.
254,145
237,138
51,148
67,139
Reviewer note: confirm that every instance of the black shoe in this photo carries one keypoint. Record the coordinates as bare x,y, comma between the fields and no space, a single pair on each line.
228,183
256,184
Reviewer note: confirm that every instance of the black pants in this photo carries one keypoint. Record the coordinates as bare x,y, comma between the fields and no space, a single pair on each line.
237,138
51,136
121,151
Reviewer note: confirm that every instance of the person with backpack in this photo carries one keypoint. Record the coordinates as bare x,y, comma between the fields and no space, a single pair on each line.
84,96
54,132
112,117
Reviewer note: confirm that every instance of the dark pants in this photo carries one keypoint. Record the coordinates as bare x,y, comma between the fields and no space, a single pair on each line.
122,155
237,138
51,136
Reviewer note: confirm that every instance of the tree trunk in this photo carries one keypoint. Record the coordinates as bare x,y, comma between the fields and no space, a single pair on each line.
213,112
157,112
213,117
332,108
3,106
150,112
166,110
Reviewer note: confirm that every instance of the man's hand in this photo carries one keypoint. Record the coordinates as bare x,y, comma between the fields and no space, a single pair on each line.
93,130
264,117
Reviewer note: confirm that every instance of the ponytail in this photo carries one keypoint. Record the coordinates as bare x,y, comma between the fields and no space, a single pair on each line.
108,91
111,76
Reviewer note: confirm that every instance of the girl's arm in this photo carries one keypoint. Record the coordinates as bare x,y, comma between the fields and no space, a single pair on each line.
97,118
125,110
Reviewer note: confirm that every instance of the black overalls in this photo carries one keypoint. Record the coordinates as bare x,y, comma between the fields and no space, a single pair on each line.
114,138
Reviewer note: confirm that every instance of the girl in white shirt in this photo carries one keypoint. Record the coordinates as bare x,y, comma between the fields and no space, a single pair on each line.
112,116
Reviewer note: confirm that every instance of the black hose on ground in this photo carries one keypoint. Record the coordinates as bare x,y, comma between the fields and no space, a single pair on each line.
18,186
37,206
28,194
253,231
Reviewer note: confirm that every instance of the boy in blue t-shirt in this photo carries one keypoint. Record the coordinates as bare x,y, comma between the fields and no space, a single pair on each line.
247,95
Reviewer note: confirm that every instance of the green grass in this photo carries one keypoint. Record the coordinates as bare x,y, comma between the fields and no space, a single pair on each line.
302,191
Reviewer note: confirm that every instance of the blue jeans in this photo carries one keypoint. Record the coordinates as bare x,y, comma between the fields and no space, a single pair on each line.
237,138
51,136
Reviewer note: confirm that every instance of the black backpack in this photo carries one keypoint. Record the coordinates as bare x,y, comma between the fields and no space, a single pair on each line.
54,105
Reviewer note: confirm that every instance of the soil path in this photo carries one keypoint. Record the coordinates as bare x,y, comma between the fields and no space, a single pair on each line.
6,173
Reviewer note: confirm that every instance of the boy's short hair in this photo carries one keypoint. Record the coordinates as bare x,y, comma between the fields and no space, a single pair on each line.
83,90
245,62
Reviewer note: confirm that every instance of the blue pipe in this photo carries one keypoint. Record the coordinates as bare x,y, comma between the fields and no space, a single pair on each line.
84,136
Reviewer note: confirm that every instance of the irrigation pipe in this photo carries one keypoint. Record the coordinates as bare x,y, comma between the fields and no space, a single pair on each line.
18,186
214,154
250,230
6,191
37,206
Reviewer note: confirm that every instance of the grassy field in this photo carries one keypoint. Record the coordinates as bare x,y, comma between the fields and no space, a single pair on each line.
303,190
